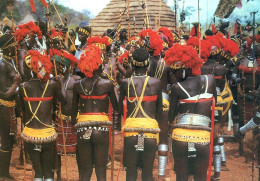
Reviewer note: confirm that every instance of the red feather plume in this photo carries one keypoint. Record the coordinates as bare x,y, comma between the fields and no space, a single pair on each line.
33,5
231,47
235,28
39,61
214,31
156,43
123,57
167,32
184,55
249,41
28,28
192,32
205,47
90,60
73,60
98,40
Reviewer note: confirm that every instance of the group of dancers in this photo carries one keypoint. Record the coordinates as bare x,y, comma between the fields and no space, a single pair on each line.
155,88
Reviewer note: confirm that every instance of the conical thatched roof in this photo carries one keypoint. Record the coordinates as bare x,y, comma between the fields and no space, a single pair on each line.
28,17
109,16
6,21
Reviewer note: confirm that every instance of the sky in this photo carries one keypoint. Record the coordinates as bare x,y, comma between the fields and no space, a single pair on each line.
95,6
207,8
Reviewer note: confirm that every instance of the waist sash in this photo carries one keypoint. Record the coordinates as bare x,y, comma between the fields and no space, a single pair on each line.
93,119
7,103
39,136
142,123
193,119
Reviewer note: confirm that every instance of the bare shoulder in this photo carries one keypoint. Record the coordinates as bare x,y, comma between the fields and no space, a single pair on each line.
124,81
154,81
106,82
76,77
211,77
175,87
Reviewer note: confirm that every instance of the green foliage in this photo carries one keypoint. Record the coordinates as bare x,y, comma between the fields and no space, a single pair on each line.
22,7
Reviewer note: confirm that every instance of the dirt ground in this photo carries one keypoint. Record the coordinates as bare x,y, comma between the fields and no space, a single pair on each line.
239,170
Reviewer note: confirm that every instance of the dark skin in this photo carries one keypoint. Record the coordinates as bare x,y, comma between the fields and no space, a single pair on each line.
9,81
95,149
83,39
214,68
154,110
8,76
194,86
166,78
66,109
43,161
123,37
23,50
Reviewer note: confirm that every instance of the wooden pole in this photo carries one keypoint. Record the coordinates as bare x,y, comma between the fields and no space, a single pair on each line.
160,1
62,126
199,27
63,24
146,11
176,14
24,159
13,27
128,16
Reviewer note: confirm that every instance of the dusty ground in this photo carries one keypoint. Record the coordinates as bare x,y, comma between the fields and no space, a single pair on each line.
239,170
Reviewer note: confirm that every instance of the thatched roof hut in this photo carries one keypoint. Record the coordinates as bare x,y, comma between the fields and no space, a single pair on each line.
6,21
109,16
28,17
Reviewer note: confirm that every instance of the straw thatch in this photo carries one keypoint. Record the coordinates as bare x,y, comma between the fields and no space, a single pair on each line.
28,17
225,8
109,16
6,21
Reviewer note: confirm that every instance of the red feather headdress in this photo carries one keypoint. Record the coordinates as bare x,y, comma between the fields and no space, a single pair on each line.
167,33
230,47
73,60
183,56
90,60
217,41
98,41
214,31
123,57
28,28
56,34
133,41
40,64
205,47
250,40
156,43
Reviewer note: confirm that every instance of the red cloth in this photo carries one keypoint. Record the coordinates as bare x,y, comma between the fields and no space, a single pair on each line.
37,98
93,97
70,138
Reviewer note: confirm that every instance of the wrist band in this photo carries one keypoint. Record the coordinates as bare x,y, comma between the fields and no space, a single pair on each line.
163,147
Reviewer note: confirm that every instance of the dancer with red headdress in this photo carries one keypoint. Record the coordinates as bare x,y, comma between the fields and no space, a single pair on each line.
37,97
27,36
91,96
140,104
64,62
190,113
